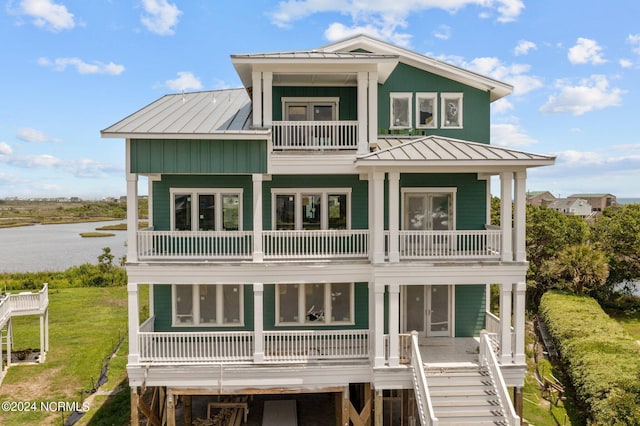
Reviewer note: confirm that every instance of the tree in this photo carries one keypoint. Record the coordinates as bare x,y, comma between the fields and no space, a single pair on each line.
582,267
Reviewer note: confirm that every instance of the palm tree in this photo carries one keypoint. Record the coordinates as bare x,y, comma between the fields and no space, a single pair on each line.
581,266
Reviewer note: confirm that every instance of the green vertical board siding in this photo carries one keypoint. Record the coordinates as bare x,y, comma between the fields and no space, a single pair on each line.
405,78
359,194
198,156
470,310
162,195
470,196
347,107
361,315
163,307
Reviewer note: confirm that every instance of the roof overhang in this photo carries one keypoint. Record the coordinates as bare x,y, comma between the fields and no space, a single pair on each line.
496,88
241,135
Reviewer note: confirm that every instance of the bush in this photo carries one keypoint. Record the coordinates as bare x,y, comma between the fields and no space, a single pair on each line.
601,358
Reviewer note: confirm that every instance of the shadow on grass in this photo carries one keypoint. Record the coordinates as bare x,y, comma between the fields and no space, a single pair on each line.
116,410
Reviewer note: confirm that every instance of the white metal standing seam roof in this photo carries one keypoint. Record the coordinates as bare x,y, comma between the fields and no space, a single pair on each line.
315,54
197,114
438,149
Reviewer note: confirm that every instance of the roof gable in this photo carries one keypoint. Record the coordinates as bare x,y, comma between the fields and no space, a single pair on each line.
364,43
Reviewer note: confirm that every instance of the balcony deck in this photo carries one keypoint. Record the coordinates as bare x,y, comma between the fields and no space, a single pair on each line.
315,135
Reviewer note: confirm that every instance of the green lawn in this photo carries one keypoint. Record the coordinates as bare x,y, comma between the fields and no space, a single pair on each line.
630,321
85,325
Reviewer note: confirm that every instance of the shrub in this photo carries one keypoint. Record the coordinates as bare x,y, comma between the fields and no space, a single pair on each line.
601,358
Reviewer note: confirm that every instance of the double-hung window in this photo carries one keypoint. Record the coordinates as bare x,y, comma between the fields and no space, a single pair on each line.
311,209
206,209
310,304
208,305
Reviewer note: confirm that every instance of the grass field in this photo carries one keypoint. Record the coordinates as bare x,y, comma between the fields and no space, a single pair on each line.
85,325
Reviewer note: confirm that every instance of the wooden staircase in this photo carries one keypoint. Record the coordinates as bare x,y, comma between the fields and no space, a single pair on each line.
465,396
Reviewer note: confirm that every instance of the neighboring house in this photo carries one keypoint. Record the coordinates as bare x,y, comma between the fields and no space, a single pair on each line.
571,206
598,202
302,226
540,198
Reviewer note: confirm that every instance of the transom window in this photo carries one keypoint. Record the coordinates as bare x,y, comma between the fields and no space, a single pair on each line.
451,110
311,209
426,110
310,109
322,303
206,209
400,110
208,305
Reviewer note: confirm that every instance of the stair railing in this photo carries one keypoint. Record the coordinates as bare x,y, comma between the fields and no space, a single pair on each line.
488,359
421,389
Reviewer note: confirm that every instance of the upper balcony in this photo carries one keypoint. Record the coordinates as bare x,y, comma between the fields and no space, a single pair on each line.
315,135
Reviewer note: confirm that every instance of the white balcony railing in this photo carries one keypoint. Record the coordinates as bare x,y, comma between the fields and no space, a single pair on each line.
195,244
346,243
489,360
481,244
238,347
315,135
27,303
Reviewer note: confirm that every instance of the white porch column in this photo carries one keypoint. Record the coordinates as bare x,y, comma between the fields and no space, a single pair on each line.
520,213
258,254
152,307
506,225
373,107
505,323
132,208
394,216
370,210
363,85
377,230
46,330
9,334
488,213
258,323
518,321
134,321
267,97
378,326
257,98
42,343
394,324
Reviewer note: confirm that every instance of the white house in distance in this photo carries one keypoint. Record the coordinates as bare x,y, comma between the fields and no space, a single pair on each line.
324,229
571,206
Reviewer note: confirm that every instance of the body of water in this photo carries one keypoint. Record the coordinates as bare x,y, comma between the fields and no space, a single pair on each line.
55,247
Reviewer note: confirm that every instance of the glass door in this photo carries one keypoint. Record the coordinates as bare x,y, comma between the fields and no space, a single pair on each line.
427,310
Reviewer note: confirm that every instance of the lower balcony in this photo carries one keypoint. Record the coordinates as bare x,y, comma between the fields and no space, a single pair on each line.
316,245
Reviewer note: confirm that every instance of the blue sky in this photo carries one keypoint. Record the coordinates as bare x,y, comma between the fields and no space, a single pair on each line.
73,67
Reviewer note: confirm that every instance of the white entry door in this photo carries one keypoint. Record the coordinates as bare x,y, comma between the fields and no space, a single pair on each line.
427,310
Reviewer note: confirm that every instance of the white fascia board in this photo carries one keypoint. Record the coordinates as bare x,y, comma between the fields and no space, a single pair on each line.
312,164
244,135
422,273
454,166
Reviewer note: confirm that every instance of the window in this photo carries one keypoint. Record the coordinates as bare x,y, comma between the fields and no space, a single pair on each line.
310,109
428,209
426,110
307,304
401,110
208,305
311,209
206,209
451,110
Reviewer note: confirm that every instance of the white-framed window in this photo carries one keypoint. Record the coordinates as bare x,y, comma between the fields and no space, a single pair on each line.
208,305
426,110
310,109
206,209
315,304
310,208
400,110
428,209
451,110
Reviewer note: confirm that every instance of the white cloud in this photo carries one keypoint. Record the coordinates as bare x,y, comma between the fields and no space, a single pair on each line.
634,41
523,47
47,14
443,32
160,16
185,81
82,168
60,64
501,106
382,18
589,94
586,51
510,135
625,63
28,134
5,149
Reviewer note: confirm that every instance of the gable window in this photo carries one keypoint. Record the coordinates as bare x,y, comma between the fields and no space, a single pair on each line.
400,110
206,209
309,304
311,209
310,109
426,110
451,110
208,305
